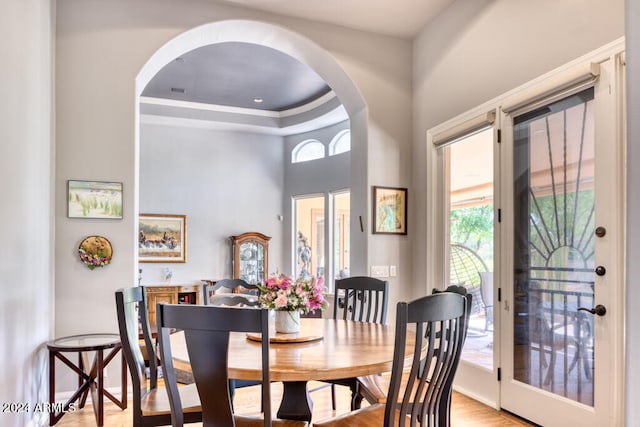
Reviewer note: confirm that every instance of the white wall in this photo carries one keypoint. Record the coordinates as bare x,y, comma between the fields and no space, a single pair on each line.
632,373
101,47
26,255
227,183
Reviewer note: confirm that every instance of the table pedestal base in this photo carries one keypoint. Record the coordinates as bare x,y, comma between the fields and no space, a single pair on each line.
296,403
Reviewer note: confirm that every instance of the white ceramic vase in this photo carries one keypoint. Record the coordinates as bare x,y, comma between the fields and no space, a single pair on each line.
287,322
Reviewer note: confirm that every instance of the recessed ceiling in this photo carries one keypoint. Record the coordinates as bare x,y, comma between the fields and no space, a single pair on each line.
235,74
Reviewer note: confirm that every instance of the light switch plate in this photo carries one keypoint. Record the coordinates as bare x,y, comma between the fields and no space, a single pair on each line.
393,271
379,271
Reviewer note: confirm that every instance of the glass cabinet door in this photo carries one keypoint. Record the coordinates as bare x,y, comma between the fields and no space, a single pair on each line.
250,257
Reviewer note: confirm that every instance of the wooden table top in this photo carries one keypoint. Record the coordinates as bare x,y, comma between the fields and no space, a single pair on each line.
347,349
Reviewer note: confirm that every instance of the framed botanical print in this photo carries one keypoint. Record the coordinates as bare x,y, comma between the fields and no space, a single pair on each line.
389,210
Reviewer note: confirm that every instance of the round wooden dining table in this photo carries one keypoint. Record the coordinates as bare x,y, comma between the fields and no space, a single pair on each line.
323,349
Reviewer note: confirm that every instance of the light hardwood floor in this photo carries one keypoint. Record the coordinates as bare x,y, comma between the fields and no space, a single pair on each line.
465,412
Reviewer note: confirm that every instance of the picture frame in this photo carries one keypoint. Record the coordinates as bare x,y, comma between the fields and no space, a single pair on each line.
94,199
389,210
162,238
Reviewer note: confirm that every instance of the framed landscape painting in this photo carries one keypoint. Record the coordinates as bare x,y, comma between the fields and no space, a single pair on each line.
94,199
389,210
162,238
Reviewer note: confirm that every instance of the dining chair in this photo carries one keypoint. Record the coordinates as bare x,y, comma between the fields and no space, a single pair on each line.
240,301
374,388
206,331
225,286
361,299
150,402
415,395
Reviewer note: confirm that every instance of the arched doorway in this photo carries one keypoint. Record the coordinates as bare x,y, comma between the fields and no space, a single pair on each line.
306,52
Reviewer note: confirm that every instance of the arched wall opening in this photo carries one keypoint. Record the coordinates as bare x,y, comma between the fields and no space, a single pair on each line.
308,53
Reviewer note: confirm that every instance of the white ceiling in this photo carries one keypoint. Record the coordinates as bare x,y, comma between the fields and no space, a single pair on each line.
399,18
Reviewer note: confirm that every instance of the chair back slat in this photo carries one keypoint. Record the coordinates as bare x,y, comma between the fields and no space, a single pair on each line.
207,330
362,299
227,286
439,322
131,311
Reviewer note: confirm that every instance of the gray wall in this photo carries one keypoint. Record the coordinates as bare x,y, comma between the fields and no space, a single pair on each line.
475,51
632,340
319,176
226,183
102,46
26,253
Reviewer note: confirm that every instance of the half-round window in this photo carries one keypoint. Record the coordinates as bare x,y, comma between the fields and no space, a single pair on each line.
341,143
310,149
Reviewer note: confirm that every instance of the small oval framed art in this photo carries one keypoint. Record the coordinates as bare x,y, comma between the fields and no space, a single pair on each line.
95,251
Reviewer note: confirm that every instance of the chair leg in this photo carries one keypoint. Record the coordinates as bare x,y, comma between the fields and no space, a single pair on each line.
356,397
333,396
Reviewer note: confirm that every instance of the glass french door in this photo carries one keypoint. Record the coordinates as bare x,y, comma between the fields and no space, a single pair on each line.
467,180
562,262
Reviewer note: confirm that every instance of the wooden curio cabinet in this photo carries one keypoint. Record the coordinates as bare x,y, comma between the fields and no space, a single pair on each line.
250,257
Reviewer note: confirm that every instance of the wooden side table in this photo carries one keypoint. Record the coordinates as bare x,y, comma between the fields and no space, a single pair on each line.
90,375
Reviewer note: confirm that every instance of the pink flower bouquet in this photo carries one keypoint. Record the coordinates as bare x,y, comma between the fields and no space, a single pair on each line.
282,293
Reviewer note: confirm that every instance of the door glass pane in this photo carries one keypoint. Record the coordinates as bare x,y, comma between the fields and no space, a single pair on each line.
310,236
554,247
341,234
470,182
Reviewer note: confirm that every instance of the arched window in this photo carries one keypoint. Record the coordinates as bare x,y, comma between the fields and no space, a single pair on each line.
310,149
341,143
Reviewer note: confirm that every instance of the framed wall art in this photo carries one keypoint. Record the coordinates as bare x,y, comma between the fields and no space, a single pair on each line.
389,210
94,199
162,238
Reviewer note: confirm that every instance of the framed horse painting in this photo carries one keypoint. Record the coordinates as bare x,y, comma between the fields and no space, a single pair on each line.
162,238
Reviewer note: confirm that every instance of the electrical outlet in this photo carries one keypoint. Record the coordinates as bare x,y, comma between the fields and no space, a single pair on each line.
379,271
393,271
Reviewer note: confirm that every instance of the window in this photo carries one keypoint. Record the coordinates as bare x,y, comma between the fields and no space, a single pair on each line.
310,149
341,234
310,230
341,143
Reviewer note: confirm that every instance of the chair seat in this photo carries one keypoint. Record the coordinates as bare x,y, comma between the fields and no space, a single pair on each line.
374,388
156,402
370,416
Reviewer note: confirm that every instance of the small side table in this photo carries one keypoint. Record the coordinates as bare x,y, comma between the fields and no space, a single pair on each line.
90,376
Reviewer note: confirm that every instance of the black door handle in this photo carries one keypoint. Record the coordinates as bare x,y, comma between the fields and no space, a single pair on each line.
601,271
599,309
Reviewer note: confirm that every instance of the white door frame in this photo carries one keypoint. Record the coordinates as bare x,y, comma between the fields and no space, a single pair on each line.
609,389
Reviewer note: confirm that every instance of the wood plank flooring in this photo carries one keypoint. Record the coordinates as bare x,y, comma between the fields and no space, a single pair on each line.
466,412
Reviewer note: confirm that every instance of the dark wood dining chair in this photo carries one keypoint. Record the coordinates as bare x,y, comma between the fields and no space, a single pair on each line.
150,402
374,388
239,300
206,331
361,299
226,286
415,395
